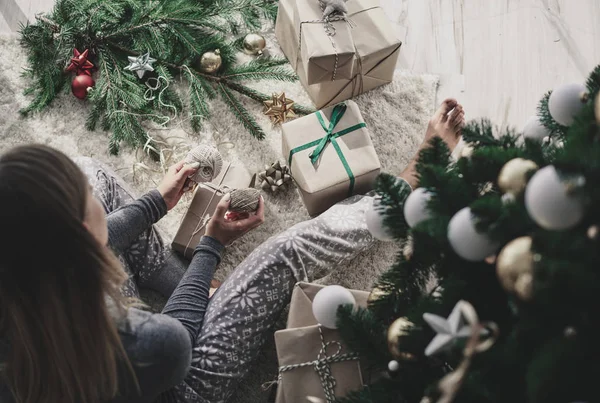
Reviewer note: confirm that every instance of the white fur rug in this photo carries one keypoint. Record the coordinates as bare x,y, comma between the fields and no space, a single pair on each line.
396,114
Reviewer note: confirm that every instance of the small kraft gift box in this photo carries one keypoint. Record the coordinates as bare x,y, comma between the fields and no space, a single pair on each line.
313,361
320,50
204,202
330,155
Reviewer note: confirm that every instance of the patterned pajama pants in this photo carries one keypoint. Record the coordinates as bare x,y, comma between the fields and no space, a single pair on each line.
242,312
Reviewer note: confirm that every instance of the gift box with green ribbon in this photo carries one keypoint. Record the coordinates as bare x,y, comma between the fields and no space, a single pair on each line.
330,155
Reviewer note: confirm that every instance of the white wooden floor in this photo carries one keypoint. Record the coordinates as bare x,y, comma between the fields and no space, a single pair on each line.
498,57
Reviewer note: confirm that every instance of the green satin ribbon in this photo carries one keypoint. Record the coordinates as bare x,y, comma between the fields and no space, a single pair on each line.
330,137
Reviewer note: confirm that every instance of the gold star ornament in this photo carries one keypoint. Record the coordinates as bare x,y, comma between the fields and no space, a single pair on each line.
279,108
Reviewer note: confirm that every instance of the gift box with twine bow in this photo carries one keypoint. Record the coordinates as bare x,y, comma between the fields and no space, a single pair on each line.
204,203
321,55
330,155
312,359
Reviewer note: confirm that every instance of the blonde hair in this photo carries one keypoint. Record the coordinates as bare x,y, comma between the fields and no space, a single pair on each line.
55,282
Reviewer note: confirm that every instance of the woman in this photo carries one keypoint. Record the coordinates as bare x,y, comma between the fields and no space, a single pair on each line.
67,334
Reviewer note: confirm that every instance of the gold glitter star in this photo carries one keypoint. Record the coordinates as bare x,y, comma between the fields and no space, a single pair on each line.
279,108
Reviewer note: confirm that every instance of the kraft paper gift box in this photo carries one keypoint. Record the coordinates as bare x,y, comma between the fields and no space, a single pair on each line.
324,57
347,164
301,342
376,52
204,202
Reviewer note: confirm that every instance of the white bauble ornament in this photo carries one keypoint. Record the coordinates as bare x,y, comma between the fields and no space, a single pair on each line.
415,207
326,303
535,130
393,366
465,240
375,221
549,202
565,103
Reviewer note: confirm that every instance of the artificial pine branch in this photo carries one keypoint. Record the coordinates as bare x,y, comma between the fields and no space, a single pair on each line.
175,32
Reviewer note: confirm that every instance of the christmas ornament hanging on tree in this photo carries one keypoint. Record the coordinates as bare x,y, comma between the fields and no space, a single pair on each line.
375,225
415,207
279,108
566,102
80,63
254,44
514,267
466,241
326,304
514,174
274,176
393,366
449,331
210,62
552,203
399,328
81,85
375,294
535,130
140,64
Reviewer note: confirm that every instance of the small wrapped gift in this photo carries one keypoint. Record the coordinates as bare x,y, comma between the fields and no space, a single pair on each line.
376,50
304,343
330,155
203,205
326,48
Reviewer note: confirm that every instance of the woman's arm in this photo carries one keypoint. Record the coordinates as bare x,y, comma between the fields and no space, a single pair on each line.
189,300
127,223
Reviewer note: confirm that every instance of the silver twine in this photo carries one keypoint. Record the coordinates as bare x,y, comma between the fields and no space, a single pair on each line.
322,366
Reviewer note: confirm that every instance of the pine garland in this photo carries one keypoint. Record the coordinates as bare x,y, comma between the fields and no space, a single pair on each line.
175,33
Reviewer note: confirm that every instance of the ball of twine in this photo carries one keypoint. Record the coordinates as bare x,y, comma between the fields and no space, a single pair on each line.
244,200
208,160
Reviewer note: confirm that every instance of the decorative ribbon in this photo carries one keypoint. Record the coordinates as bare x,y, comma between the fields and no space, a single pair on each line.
322,366
330,137
450,384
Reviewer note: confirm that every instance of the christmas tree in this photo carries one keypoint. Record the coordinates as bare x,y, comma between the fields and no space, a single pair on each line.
136,49
509,229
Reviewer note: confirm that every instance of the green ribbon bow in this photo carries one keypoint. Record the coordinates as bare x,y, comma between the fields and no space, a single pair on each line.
330,137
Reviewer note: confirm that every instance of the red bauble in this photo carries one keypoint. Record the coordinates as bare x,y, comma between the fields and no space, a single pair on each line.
81,84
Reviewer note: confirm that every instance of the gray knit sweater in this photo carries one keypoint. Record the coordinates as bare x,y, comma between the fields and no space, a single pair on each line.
159,346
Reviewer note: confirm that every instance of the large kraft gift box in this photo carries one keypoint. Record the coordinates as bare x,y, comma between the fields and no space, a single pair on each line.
376,49
301,342
324,57
347,164
204,202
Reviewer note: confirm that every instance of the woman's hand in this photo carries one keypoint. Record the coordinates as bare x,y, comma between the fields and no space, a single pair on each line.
171,187
226,231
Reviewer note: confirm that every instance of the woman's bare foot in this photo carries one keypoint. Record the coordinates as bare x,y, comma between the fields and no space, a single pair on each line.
446,123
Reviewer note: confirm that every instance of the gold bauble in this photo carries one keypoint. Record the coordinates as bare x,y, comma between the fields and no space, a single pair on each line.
399,328
211,62
514,267
513,176
593,231
375,294
254,44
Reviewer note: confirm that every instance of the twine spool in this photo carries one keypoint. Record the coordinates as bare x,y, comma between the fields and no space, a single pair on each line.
244,200
209,163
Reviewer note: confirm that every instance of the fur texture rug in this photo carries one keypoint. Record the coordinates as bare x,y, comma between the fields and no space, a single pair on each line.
396,114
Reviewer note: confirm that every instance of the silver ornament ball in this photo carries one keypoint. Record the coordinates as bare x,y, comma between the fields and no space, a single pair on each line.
415,207
565,103
254,44
535,130
465,240
375,223
393,366
550,203
326,304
